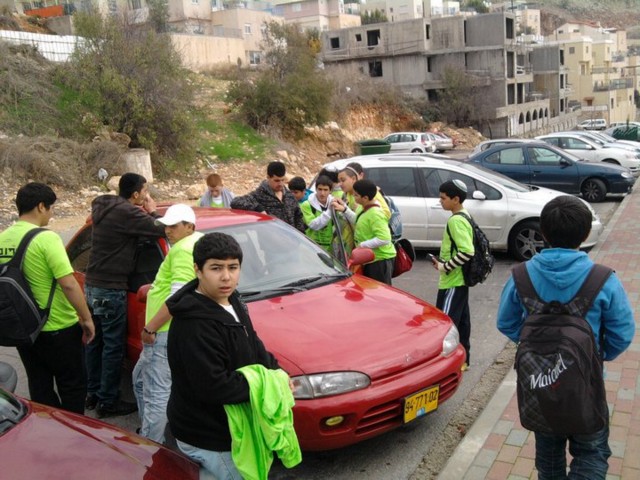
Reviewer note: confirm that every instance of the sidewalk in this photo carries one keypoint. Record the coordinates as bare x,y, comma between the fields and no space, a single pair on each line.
497,447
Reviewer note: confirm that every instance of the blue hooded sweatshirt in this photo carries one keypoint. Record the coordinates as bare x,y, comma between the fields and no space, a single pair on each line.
558,274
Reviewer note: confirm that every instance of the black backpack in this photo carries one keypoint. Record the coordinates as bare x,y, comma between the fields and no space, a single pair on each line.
21,319
478,268
395,221
560,383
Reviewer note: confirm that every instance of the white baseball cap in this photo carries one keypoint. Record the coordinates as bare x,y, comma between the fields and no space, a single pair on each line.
178,213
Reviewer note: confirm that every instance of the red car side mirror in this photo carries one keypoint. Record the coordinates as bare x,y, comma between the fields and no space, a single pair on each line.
360,256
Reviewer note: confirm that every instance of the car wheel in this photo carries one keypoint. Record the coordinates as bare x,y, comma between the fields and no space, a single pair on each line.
593,190
417,150
525,240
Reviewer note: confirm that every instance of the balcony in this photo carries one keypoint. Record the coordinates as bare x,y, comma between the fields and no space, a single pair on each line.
617,84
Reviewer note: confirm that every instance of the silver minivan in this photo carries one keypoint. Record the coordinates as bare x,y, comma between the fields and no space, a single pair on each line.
593,124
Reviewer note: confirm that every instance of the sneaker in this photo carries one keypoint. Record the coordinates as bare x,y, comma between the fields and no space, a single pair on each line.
465,367
116,410
91,401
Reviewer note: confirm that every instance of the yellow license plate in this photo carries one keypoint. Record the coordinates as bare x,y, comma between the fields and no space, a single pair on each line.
421,403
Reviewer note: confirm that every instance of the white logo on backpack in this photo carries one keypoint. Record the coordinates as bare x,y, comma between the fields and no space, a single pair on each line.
544,380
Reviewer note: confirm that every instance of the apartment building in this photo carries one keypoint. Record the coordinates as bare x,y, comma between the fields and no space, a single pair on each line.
415,54
599,76
322,15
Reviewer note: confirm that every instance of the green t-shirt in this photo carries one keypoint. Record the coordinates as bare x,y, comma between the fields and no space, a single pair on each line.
462,234
176,268
372,223
45,259
322,236
216,202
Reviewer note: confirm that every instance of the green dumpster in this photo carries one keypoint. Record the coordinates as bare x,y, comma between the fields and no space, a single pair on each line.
372,147
625,132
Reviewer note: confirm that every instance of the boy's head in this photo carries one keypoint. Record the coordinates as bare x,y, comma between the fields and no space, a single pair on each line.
133,187
357,168
214,183
298,186
34,195
565,222
331,173
217,257
323,188
179,222
275,175
364,191
454,188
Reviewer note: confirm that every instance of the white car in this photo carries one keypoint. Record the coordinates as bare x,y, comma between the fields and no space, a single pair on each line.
592,124
485,145
592,151
507,211
411,142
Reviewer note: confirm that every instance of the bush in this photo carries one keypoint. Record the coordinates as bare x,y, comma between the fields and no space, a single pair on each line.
131,79
291,91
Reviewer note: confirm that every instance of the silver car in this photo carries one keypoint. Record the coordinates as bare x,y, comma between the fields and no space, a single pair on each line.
410,142
507,211
442,141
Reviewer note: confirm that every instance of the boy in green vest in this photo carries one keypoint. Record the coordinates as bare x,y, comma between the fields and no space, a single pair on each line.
371,230
316,212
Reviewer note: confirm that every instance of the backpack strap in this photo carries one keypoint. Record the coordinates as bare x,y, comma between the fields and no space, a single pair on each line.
18,258
526,290
453,243
597,277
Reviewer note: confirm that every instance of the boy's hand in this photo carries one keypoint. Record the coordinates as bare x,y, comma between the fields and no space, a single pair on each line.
149,204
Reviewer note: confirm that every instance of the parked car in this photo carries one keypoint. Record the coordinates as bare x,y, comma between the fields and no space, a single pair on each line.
623,124
538,163
625,132
39,442
507,211
443,142
608,141
592,151
487,144
364,357
592,124
410,142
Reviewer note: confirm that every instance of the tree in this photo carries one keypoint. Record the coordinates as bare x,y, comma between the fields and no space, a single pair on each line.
477,5
292,91
132,80
455,101
377,16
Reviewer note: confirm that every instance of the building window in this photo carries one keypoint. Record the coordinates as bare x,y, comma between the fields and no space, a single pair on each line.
335,42
247,29
195,2
375,68
429,64
613,103
373,37
255,58
572,50
587,49
136,4
358,37
427,32
296,7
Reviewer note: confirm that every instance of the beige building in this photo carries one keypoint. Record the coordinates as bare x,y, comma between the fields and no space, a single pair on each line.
322,15
598,73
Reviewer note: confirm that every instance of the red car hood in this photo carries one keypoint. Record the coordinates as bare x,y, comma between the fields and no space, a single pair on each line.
371,328
55,444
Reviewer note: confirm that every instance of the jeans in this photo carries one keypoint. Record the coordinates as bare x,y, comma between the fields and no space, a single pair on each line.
57,357
220,464
106,352
590,454
152,386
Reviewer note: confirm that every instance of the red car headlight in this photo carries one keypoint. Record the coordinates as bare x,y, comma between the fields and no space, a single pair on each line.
327,384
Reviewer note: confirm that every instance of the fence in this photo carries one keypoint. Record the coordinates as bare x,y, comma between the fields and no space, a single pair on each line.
56,48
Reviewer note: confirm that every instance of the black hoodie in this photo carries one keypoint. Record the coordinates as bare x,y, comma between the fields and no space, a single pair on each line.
117,225
205,348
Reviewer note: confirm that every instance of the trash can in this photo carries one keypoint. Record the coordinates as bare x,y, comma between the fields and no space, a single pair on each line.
372,147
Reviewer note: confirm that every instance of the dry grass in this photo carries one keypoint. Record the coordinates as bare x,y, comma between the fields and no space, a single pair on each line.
57,161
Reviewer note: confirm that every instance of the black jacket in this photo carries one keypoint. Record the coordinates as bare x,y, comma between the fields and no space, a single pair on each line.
205,347
263,199
117,226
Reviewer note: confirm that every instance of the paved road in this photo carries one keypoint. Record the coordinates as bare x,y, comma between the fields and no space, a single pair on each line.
396,454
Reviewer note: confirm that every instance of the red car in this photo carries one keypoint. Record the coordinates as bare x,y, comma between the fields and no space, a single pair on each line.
43,442
364,358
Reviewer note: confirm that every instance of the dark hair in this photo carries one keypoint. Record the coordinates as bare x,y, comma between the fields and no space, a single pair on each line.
565,222
216,245
451,189
297,183
365,188
324,180
214,180
276,169
32,194
129,184
332,174
357,167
